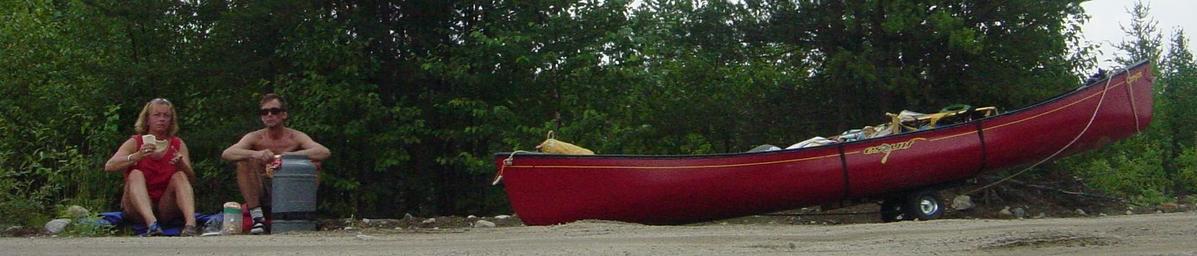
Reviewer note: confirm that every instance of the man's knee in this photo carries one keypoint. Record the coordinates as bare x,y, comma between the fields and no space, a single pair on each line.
242,165
250,168
249,165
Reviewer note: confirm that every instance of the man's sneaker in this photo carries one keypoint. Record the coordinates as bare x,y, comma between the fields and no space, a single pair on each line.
259,226
152,230
188,230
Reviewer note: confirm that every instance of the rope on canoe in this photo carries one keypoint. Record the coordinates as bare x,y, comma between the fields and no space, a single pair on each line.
507,162
1105,89
1130,93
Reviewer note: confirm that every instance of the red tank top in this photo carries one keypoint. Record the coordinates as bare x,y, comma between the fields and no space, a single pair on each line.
157,171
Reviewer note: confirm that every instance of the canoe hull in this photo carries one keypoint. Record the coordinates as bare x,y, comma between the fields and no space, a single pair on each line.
553,189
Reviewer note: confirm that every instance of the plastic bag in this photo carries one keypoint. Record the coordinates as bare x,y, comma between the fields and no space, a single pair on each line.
554,146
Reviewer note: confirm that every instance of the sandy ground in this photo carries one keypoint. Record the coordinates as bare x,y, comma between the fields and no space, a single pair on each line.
1147,234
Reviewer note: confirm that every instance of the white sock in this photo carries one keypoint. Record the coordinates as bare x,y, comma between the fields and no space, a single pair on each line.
256,213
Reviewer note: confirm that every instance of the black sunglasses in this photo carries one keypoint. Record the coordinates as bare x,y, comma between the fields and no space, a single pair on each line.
271,111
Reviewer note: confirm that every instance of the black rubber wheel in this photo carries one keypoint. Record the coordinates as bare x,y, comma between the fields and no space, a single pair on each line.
923,205
891,210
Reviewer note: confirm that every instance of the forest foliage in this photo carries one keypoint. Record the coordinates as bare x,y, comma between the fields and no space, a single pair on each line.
415,97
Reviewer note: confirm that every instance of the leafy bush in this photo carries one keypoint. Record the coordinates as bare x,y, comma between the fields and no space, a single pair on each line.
1187,168
87,225
24,207
1132,169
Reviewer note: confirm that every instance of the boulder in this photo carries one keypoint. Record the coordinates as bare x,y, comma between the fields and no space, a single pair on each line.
484,224
1019,212
57,225
1080,212
76,212
963,202
1006,212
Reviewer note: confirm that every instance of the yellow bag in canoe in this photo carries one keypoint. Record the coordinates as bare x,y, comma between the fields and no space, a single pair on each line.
554,146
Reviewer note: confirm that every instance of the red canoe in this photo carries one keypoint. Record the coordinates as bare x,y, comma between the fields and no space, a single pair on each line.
903,169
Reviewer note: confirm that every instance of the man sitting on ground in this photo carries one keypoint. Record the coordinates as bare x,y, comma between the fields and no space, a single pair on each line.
258,149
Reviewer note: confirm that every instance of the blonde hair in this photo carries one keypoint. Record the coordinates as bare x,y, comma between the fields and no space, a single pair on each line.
143,127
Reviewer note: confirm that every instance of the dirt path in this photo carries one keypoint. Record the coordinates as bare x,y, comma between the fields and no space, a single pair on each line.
1151,234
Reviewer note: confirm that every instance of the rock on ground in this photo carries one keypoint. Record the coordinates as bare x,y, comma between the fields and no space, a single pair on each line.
76,212
484,224
57,225
1019,212
963,202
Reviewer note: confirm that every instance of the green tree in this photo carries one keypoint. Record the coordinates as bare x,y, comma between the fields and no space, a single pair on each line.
1179,80
57,120
1146,41
871,57
414,97
1137,167
1179,75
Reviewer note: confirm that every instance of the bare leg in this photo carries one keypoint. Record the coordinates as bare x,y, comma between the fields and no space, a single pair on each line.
249,180
136,200
127,207
178,199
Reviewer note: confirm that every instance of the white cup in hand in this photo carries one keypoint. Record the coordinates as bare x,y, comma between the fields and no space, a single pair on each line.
159,145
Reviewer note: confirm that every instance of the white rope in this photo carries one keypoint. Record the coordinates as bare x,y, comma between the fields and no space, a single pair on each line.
1105,89
1130,92
507,162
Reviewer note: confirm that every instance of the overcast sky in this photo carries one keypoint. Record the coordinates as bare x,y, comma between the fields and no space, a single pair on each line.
1105,16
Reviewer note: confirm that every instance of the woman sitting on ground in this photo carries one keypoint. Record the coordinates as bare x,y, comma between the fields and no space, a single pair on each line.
157,173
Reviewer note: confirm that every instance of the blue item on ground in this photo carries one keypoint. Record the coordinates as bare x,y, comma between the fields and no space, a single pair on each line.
172,228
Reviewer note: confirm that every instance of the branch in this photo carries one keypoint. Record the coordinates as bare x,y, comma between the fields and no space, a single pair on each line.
1041,187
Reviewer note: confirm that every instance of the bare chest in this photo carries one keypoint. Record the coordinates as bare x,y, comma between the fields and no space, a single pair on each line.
278,146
